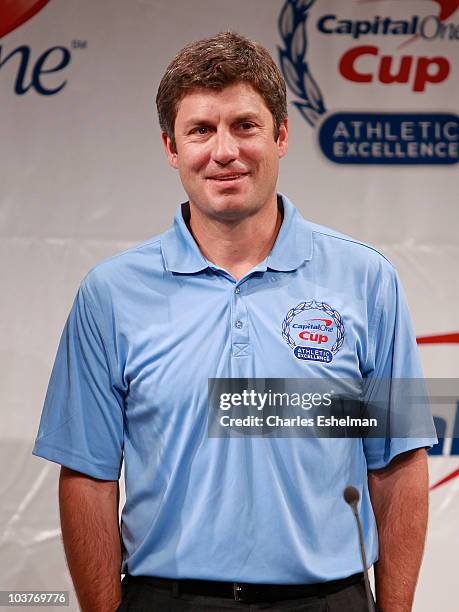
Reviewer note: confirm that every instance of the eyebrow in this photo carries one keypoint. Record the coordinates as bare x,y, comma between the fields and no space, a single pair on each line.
201,120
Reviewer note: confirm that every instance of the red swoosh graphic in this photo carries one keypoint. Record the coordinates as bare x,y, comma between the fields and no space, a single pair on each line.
451,338
13,13
326,321
447,478
447,7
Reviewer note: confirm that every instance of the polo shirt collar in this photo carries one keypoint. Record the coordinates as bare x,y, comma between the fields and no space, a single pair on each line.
179,248
292,247
293,244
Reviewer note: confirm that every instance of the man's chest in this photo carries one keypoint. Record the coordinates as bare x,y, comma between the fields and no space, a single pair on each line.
273,325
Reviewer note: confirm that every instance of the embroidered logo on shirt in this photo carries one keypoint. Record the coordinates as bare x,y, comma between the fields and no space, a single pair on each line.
314,330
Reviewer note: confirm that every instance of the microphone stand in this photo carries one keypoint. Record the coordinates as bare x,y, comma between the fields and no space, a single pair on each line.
351,497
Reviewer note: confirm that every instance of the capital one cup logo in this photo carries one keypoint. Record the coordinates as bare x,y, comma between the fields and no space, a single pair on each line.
42,72
406,54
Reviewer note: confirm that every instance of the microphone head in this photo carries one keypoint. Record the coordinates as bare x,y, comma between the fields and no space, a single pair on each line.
351,495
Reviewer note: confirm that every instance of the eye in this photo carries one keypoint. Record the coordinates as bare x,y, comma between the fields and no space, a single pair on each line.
246,125
201,130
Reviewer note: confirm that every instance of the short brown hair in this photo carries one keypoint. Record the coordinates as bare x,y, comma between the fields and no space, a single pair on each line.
214,63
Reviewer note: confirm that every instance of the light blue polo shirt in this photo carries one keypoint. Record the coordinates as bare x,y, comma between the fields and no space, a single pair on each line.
150,326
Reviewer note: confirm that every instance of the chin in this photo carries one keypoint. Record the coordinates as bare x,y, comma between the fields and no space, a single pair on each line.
225,205
238,207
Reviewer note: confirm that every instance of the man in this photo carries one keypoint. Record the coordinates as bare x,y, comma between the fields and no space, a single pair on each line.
222,294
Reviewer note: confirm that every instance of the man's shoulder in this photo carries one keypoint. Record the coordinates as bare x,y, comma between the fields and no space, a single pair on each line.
353,250
126,267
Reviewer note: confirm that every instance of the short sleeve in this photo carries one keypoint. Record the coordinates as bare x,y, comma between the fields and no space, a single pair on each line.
81,425
396,361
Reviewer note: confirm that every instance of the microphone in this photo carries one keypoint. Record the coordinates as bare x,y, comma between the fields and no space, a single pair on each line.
351,497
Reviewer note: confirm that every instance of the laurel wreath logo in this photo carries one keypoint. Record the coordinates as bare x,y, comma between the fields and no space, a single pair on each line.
292,28
313,305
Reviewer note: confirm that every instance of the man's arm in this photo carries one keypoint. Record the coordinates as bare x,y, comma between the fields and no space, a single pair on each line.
399,496
90,531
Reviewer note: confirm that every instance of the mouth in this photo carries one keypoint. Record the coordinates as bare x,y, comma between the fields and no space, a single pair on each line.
228,178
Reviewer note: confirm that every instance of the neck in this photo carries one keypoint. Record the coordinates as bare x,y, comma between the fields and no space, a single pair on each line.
236,245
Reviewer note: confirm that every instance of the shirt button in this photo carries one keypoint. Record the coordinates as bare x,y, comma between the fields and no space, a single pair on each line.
238,324
237,290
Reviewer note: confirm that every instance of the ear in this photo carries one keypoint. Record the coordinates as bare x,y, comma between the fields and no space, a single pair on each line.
282,139
170,150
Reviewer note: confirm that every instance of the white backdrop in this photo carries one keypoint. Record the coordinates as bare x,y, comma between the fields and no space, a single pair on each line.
83,175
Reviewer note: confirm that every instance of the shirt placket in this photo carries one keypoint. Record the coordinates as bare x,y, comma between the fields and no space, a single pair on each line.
239,324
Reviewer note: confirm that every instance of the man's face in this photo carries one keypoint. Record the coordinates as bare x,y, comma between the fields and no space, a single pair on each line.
225,152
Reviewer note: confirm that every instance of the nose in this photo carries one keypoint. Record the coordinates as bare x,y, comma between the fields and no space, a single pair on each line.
225,147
